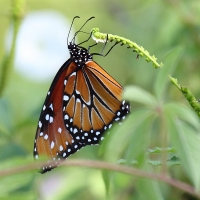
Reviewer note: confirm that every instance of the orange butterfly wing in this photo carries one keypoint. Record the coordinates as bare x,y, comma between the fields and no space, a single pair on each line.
82,103
53,139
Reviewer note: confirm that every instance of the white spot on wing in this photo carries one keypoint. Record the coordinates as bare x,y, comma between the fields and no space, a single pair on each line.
77,92
40,124
73,74
61,148
59,130
65,98
51,106
47,117
88,103
52,144
46,137
97,133
51,119
66,117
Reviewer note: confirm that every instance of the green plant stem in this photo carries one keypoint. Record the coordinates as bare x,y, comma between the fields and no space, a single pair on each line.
106,166
16,16
188,95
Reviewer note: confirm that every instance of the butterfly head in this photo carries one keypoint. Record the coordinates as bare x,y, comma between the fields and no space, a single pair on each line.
78,54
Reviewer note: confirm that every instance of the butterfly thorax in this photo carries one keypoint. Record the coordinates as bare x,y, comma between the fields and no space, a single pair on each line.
79,55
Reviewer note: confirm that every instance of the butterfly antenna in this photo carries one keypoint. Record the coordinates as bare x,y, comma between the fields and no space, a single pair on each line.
82,27
71,27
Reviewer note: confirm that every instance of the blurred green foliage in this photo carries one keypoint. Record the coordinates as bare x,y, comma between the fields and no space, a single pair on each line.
161,117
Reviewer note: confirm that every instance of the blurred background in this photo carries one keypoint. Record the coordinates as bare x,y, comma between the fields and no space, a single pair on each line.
160,26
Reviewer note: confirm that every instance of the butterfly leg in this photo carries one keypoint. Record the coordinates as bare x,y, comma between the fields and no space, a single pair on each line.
91,46
101,54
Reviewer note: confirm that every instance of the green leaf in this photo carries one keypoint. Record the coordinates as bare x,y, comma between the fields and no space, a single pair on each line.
184,113
5,117
128,133
160,150
187,143
137,94
170,63
129,141
21,195
107,176
138,141
13,182
10,150
148,189
172,161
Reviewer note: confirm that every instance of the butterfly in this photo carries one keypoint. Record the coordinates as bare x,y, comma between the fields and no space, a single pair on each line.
82,103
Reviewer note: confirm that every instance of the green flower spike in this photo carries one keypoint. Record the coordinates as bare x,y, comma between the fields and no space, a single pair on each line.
188,95
101,37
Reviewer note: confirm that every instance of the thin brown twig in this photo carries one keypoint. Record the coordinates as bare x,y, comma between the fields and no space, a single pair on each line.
107,166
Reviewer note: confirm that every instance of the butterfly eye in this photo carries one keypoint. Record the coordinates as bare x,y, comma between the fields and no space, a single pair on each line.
82,103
